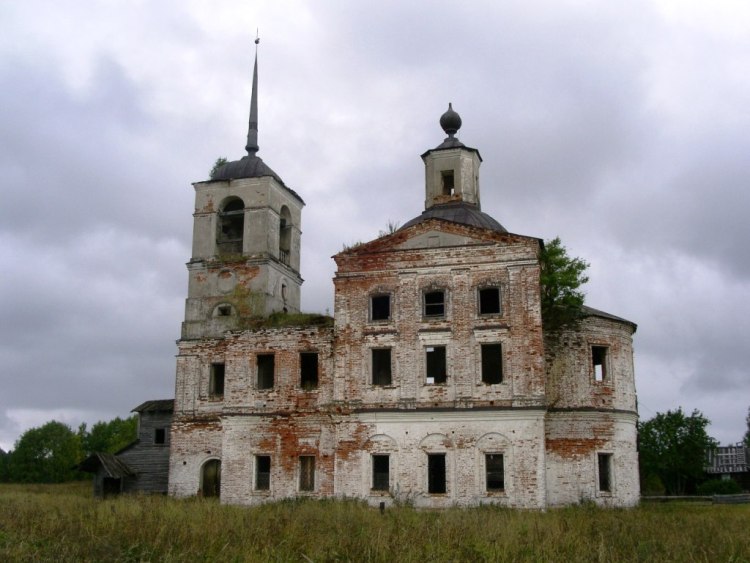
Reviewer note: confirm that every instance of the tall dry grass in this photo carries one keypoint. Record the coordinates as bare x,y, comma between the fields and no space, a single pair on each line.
63,523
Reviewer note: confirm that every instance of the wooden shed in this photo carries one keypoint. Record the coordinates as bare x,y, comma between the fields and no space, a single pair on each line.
141,466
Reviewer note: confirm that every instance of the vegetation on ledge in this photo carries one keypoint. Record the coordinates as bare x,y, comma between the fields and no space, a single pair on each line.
561,277
280,320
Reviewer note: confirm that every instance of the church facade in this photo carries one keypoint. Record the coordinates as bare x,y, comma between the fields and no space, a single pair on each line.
435,382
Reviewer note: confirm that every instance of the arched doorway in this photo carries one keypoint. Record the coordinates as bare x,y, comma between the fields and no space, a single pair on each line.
211,478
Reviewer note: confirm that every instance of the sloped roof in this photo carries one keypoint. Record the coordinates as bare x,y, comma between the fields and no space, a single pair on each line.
158,405
112,465
458,212
591,312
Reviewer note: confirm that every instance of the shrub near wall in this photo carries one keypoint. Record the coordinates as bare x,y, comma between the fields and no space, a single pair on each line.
719,487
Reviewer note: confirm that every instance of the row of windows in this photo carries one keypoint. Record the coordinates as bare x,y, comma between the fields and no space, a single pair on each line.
266,369
434,304
436,368
381,473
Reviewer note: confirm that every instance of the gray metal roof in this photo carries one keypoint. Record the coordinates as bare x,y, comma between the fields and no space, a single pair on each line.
246,167
591,312
158,405
110,463
458,212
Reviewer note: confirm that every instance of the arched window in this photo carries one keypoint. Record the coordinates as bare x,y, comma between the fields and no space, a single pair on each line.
211,478
231,226
285,234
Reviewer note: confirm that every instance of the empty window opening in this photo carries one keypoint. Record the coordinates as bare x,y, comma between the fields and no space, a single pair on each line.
448,182
436,474
599,359
224,310
380,472
380,307
231,227
381,366
262,472
265,371
495,471
308,362
435,364
307,473
434,304
160,436
605,472
285,234
492,363
216,381
489,301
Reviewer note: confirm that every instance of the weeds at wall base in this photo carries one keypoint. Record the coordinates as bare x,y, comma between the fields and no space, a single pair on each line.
64,523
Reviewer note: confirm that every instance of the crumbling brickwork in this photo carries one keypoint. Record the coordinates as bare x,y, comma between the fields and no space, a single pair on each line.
435,383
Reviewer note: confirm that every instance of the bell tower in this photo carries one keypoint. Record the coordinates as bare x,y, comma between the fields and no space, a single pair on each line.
246,243
451,168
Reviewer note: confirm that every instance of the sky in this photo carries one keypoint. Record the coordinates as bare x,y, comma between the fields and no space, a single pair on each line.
621,127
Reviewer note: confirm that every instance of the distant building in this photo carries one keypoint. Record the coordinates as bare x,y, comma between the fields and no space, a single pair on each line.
730,462
141,466
435,383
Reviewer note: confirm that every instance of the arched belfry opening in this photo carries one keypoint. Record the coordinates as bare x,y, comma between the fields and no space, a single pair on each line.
231,226
285,234
211,478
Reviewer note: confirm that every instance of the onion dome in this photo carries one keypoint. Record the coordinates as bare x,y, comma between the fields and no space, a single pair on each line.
450,121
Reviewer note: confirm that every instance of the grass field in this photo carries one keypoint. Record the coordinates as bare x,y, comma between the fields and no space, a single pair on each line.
63,523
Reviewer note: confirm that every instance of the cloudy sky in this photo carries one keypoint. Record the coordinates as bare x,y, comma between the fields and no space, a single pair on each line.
622,127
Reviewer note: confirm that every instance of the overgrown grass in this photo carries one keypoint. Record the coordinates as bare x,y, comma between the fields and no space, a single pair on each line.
63,523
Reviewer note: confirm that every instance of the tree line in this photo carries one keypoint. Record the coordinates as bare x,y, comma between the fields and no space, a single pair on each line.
50,453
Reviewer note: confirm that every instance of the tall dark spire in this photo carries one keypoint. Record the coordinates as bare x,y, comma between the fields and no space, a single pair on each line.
252,131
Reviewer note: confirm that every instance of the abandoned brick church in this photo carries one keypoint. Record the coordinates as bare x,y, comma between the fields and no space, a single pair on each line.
435,382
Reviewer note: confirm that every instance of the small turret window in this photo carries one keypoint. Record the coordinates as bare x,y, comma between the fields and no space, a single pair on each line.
285,234
231,227
448,182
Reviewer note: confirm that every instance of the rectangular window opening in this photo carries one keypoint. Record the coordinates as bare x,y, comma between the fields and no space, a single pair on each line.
216,381
436,474
434,304
380,307
160,435
381,366
308,362
599,360
262,472
265,371
435,364
380,472
448,182
495,471
489,301
306,473
492,363
605,472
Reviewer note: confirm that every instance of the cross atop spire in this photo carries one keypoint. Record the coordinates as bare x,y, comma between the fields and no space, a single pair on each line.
252,131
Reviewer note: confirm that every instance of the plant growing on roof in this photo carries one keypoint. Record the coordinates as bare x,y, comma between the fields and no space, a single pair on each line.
561,277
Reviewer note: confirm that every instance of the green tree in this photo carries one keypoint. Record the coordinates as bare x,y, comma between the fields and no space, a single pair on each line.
4,466
561,277
109,436
47,454
672,446
746,440
221,161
